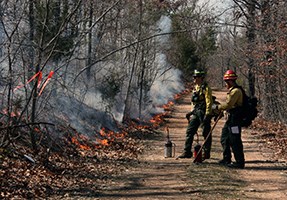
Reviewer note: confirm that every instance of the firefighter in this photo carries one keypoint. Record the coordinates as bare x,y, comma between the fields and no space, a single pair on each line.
231,132
200,115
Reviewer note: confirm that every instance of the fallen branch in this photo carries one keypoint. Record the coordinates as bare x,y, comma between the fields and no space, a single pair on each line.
24,125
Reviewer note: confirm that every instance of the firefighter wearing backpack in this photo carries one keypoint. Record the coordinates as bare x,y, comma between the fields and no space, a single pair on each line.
231,132
200,115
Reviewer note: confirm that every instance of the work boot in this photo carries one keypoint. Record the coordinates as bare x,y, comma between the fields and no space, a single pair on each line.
236,165
224,162
185,155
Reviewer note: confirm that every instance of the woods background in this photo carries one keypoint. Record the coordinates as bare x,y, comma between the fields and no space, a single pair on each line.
94,63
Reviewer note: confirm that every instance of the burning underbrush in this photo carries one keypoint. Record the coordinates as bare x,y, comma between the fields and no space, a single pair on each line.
68,162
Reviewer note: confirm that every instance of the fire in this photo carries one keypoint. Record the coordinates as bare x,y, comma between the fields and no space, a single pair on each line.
106,133
104,142
177,96
184,92
167,107
81,142
107,137
138,124
158,119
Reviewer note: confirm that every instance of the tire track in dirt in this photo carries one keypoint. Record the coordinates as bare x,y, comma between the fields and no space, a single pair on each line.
157,177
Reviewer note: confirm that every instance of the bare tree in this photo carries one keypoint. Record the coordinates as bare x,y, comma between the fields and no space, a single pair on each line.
272,65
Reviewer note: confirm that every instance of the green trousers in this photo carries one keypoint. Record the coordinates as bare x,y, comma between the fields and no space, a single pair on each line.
231,139
195,121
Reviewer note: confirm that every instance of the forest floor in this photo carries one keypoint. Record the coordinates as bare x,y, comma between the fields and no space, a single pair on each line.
135,167
156,177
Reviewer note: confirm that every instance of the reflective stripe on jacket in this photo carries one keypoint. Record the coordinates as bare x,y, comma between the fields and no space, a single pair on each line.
205,97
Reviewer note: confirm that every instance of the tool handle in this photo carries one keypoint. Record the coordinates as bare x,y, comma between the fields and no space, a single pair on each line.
218,118
167,133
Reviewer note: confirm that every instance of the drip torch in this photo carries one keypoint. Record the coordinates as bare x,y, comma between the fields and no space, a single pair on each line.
169,150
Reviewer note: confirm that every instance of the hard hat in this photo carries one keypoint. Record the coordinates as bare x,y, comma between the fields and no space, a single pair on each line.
198,73
229,75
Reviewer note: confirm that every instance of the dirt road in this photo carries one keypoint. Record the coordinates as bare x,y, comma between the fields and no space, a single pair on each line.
167,178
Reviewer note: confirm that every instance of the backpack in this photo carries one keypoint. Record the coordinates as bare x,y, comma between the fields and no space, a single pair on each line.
248,110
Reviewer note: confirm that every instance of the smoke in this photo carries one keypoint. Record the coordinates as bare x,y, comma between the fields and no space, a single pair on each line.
84,118
164,26
167,83
88,110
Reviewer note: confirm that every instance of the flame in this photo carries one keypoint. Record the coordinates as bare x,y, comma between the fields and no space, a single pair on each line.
184,92
177,96
167,107
158,119
81,144
103,142
107,137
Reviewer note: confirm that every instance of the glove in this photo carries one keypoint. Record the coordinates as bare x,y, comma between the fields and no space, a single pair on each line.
217,116
214,107
215,111
188,115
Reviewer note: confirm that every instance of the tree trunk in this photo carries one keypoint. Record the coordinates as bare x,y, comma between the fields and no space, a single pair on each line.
35,94
128,94
141,86
250,33
89,61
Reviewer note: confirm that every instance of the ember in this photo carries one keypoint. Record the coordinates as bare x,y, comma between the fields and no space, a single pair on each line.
80,141
157,120
109,136
167,107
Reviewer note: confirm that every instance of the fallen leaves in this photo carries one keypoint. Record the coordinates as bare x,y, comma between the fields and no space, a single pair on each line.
274,134
66,169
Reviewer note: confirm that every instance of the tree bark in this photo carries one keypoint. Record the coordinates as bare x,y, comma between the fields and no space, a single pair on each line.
250,33
35,94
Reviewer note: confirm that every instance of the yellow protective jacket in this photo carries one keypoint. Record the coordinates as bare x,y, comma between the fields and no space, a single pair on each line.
205,94
234,99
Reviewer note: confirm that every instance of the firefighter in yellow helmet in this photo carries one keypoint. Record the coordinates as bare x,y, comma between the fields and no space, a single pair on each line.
200,115
231,132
